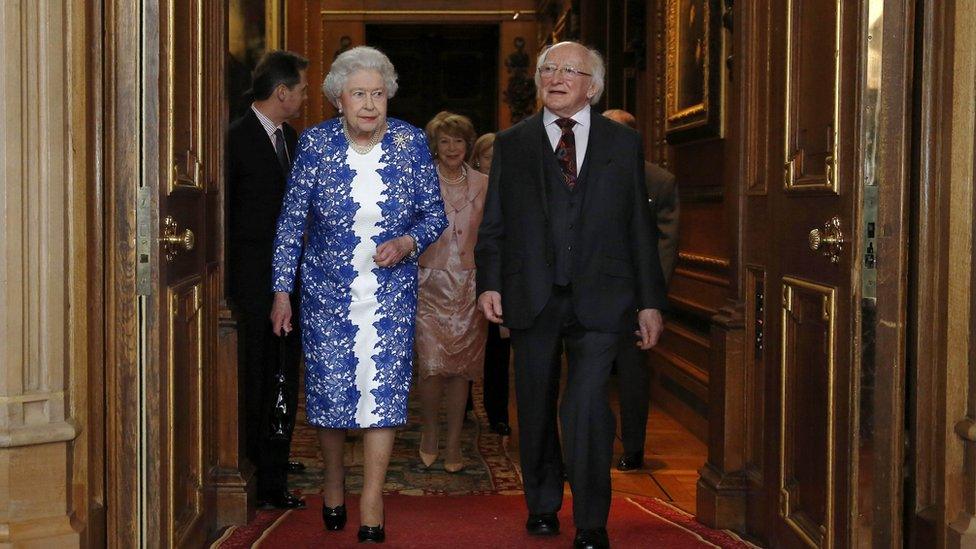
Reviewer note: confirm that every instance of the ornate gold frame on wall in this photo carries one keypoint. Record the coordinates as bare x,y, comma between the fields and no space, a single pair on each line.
702,120
274,24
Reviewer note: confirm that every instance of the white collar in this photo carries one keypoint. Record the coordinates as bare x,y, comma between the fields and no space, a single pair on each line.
267,123
582,117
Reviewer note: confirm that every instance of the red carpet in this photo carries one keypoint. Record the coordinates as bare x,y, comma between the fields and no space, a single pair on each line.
469,522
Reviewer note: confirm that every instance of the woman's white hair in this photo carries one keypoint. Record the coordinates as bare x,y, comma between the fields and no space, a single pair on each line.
594,60
360,58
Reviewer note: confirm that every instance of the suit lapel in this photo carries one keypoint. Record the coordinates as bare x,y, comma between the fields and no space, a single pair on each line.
533,137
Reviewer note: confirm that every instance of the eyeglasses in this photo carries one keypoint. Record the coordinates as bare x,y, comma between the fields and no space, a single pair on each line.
569,72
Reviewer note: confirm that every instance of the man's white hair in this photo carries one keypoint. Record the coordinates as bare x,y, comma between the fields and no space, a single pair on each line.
594,60
354,60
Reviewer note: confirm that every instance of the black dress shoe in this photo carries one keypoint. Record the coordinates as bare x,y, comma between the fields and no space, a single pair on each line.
501,428
334,517
542,524
282,500
629,462
591,538
372,534
295,467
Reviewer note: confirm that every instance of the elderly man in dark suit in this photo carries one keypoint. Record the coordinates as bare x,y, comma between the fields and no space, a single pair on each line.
632,373
260,149
567,256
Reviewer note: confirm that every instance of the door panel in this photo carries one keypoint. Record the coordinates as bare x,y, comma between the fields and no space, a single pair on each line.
814,48
812,35
806,393
184,390
191,117
182,61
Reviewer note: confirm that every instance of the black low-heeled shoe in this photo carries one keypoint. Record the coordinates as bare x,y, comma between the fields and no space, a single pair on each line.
334,517
372,534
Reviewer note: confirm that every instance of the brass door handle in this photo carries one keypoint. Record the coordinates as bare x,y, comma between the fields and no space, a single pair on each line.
830,238
173,240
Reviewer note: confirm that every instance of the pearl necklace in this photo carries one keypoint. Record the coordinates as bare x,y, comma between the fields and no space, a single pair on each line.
374,138
461,177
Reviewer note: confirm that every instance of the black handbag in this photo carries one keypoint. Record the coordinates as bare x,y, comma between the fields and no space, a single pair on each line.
282,417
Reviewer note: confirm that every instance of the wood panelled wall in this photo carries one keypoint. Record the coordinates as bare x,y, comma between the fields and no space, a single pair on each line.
320,29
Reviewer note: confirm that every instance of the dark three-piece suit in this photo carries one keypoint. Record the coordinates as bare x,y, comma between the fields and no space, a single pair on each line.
256,186
573,267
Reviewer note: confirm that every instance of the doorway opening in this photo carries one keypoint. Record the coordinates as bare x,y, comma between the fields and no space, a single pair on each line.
442,67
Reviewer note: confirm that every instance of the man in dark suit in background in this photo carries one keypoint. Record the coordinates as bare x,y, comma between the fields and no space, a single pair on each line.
567,255
632,373
260,149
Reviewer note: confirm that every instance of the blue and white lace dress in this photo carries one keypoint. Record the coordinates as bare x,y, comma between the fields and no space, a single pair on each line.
357,318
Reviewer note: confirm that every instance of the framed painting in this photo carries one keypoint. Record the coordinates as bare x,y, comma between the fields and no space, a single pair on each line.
693,97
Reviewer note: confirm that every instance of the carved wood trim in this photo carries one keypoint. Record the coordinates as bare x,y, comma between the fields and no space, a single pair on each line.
455,15
657,144
232,478
722,489
753,37
121,136
706,261
703,277
928,276
807,527
97,304
960,380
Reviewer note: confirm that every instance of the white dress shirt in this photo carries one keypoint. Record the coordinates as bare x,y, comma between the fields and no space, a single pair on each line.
581,130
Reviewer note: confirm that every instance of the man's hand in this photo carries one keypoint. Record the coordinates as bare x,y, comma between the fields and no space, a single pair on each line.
281,314
392,251
490,304
651,326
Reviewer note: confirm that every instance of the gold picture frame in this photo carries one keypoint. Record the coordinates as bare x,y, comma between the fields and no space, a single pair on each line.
693,68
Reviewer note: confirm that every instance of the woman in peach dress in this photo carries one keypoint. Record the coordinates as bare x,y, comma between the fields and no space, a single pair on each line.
451,332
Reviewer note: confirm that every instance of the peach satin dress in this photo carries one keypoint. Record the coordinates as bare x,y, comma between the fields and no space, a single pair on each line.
451,331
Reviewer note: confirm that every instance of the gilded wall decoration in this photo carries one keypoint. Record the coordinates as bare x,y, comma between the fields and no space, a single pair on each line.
694,78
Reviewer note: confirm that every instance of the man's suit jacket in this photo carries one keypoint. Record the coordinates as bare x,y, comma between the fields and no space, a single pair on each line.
662,195
616,269
255,187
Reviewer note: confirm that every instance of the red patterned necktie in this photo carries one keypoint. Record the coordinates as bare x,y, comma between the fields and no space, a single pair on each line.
566,151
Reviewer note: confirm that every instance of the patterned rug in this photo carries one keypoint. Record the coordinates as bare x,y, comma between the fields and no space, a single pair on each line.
479,521
489,469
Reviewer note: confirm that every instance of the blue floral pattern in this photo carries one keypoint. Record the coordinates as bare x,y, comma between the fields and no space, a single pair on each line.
319,196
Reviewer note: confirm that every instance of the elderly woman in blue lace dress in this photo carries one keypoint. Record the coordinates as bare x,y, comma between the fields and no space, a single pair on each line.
367,191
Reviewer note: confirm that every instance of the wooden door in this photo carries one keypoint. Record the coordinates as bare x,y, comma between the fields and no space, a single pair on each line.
812,189
161,139
184,296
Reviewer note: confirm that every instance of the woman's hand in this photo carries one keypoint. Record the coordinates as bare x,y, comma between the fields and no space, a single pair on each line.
281,313
391,252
